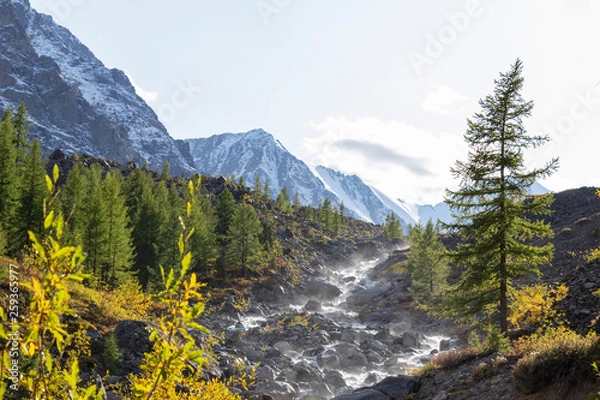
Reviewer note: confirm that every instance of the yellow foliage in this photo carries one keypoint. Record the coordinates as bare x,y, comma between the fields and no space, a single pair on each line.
535,305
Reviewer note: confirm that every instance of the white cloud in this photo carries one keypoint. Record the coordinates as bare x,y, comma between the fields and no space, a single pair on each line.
399,159
149,96
445,100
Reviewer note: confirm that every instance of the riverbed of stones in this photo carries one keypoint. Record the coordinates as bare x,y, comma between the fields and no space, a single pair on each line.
318,347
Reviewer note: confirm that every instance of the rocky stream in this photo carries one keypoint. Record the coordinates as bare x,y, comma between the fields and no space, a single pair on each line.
348,327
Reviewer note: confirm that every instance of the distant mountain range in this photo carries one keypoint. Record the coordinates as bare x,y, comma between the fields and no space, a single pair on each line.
80,106
258,152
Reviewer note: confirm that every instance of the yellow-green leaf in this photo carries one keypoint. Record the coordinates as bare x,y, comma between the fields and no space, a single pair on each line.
49,184
55,173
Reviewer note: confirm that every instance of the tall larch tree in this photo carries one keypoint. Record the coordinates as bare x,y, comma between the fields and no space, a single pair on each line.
427,263
119,249
392,228
224,210
8,177
244,249
32,191
202,220
494,214
94,230
145,219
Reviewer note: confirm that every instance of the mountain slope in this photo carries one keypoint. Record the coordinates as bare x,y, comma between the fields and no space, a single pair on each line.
258,152
75,102
371,204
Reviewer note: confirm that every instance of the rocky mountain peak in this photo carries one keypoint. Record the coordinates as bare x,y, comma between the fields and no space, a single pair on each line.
75,102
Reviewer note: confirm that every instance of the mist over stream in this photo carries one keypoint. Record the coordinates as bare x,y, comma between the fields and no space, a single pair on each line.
349,326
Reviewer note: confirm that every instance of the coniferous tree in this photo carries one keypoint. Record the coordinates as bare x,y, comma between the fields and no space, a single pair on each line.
202,220
94,230
257,187
146,222
119,249
325,214
392,229
224,210
494,215
267,190
242,181
165,174
282,201
426,262
32,191
21,124
170,206
296,202
244,248
3,242
72,199
8,176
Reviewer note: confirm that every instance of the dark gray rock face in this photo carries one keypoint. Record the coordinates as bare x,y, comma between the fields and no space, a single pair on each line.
133,341
75,102
391,388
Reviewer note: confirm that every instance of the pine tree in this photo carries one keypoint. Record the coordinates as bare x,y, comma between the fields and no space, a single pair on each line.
257,187
21,124
392,229
169,206
146,221
325,214
32,191
282,202
202,220
296,203
72,199
119,249
426,262
94,230
165,174
244,249
224,210
494,215
267,190
241,181
9,195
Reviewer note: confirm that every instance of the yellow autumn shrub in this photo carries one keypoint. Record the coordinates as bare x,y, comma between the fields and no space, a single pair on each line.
535,305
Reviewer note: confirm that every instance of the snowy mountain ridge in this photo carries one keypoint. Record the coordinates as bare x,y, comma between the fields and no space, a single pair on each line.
75,102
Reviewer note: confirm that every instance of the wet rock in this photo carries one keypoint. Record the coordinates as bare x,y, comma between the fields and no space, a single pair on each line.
313,306
265,373
283,346
363,394
278,390
321,291
329,359
334,379
361,298
377,346
444,344
409,339
397,387
306,373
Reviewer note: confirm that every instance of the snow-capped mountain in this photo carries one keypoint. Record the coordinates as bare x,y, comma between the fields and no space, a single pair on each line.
75,102
367,202
258,152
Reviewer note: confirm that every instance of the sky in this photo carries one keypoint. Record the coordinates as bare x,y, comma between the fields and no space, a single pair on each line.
379,88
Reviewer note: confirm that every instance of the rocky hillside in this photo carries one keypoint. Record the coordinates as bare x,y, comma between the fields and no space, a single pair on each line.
75,102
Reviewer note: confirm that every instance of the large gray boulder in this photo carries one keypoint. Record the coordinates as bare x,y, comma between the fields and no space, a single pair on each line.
391,388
